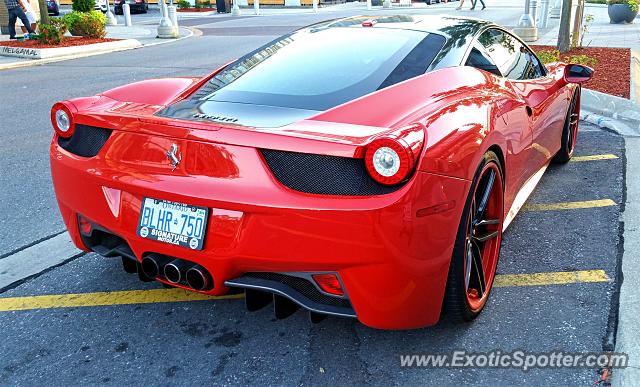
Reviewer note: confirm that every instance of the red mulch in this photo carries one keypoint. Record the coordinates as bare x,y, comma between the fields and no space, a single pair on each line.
196,9
66,42
612,72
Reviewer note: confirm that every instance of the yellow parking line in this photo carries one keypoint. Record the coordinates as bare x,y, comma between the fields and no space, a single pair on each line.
126,297
129,297
551,278
569,205
609,156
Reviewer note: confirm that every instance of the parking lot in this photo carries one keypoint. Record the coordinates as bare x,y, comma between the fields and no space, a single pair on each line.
557,278
88,322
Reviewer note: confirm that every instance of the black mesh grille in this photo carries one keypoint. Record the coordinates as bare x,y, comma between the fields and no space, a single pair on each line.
303,286
86,140
326,175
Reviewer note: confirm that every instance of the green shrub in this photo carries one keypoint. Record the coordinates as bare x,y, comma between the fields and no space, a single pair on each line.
53,32
548,56
633,4
83,5
87,24
184,4
583,60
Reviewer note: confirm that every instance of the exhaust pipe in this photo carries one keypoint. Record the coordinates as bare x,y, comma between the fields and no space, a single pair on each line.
152,264
173,271
198,278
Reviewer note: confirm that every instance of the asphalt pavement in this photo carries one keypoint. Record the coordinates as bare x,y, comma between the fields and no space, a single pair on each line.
571,226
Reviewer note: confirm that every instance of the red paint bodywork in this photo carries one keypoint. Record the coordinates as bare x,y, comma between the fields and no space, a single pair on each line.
392,251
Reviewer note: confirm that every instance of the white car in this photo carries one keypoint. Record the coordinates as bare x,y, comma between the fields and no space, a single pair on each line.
101,5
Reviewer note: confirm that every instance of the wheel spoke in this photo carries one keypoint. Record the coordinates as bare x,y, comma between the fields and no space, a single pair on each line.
469,263
478,268
486,237
484,199
487,222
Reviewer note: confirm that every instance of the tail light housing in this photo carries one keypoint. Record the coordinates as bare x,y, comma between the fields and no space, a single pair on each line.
391,159
62,119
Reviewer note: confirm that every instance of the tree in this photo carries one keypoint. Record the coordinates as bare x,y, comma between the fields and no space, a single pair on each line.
44,12
564,33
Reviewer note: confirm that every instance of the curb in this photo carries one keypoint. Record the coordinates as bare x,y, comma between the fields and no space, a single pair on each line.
617,114
38,62
57,52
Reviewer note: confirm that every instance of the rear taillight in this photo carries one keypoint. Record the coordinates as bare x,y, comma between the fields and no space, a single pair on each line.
62,120
391,159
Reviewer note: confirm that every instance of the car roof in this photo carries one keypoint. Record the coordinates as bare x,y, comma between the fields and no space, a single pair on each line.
459,31
442,24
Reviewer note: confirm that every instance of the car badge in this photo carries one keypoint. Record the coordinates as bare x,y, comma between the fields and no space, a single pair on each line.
174,156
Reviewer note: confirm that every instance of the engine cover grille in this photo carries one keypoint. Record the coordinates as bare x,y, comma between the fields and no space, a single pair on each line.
321,174
86,141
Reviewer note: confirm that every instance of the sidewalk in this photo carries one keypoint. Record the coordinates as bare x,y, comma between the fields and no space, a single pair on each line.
145,35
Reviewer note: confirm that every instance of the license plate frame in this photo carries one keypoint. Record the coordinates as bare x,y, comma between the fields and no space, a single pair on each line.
172,227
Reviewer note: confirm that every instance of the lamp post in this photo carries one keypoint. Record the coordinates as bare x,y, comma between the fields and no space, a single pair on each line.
256,7
526,28
166,29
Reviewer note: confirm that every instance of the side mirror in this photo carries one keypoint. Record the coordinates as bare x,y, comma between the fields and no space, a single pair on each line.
575,73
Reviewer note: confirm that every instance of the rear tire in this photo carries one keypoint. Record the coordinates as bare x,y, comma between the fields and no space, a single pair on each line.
570,131
477,247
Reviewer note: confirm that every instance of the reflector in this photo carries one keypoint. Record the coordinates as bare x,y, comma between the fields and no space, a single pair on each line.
329,283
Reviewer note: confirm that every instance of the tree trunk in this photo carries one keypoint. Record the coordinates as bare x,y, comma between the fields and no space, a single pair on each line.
564,33
44,12
577,25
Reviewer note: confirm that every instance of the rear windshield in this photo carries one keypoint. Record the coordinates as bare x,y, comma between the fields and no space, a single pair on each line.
320,69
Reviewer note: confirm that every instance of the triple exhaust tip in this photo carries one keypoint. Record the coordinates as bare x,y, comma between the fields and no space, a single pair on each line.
176,271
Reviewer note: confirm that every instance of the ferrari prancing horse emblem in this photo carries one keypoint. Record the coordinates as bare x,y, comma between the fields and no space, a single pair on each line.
174,156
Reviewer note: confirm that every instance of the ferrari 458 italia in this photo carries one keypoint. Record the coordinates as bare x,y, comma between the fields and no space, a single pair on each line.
363,167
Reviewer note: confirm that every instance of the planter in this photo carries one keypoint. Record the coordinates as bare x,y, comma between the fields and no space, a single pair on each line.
196,9
621,13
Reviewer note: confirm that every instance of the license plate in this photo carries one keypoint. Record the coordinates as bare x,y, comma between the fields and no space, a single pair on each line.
174,223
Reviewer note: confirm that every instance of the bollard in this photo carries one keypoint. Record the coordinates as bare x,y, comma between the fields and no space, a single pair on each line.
166,30
544,14
256,6
111,18
534,12
235,10
315,6
173,15
126,11
555,10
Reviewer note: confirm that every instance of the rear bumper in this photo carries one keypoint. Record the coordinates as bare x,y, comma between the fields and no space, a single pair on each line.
392,251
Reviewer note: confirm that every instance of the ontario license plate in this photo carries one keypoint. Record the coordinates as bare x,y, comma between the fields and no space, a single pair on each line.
174,223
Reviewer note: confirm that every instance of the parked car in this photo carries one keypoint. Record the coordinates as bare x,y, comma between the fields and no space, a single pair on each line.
53,7
373,181
138,6
101,5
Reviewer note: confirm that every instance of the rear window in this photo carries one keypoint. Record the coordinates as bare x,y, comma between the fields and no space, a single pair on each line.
320,69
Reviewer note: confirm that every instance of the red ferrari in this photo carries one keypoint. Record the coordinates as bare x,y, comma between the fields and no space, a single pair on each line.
363,167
